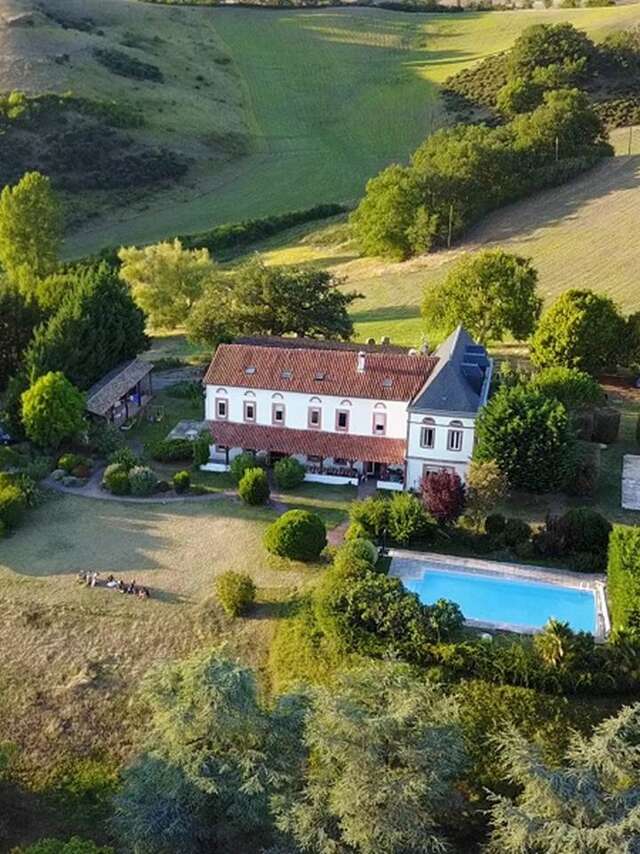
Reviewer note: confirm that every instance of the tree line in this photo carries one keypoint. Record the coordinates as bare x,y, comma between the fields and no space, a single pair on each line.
461,173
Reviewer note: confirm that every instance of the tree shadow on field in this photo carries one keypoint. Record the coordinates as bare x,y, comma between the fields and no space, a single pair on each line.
66,536
521,220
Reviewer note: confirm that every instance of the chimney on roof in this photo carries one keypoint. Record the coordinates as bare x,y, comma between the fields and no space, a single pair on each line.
371,342
385,341
362,362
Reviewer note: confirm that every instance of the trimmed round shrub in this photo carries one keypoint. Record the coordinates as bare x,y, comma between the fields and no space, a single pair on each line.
494,524
12,505
585,530
606,425
81,471
357,550
297,534
163,486
516,532
240,464
254,487
123,457
289,473
142,481
116,479
235,592
182,482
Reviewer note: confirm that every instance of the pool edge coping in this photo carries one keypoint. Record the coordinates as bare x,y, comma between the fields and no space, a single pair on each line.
595,582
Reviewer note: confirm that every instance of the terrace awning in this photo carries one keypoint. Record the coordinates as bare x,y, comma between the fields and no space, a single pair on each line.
311,443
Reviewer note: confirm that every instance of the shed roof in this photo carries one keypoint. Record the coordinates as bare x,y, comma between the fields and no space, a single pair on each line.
114,385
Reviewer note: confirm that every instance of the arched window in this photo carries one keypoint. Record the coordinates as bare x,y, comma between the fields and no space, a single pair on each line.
428,433
455,436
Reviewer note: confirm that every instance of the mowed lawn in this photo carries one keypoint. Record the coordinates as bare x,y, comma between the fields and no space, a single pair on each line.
73,656
329,97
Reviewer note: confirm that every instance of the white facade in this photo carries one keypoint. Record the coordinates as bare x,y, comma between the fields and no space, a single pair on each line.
448,443
297,407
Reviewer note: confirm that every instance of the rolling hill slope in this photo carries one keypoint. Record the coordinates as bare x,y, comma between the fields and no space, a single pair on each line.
270,109
582,234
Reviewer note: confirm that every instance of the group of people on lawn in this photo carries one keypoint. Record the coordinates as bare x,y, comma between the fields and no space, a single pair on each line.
93,579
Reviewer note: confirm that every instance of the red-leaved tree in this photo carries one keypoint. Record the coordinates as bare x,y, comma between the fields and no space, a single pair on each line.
443,496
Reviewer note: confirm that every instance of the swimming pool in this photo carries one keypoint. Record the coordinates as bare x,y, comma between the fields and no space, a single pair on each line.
505,596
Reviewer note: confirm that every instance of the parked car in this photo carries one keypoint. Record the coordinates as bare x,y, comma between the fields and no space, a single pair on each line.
5,437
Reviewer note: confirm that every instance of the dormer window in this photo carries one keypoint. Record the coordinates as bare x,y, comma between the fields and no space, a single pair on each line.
250,370
387,383
286,375
319,376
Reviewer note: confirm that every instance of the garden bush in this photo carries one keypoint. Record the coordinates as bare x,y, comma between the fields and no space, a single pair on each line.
236,592
582,421
297,534
12,505
356,550
495,524
516,531
121,63
289,473
372,515
103,439
407,521
116,479
443,496
240,464
585,530
181,482
529,436
583,480
171,450
142,481
623,576
123,457
69,461
202,449
574,388
355,531
254,487
606,425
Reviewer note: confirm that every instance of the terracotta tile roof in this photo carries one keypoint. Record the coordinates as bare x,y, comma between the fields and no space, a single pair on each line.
282,440
388,375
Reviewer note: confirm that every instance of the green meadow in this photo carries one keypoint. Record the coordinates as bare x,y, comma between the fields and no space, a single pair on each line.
326,97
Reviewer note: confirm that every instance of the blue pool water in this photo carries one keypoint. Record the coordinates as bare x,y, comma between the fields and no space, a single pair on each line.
504,600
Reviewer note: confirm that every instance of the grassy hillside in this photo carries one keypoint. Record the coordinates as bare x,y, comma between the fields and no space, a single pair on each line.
583,234
328,97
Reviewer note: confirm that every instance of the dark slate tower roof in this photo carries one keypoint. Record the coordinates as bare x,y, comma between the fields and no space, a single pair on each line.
459,382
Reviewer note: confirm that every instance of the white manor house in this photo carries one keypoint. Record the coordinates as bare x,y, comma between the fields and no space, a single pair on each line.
348,411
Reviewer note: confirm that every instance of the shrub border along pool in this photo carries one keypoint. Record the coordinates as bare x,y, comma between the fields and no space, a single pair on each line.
561,578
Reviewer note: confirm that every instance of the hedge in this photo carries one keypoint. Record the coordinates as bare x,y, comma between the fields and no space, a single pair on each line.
172,450
623,573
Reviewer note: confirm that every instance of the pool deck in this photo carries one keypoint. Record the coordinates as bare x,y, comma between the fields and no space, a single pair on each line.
413,565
